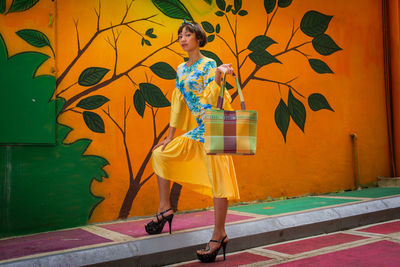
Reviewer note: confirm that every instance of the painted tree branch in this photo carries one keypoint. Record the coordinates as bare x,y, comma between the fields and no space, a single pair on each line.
236,53
270,21
87,45
123,132
134,187
280,83
257,67
230,48
77,35
62,91
110,80
114,46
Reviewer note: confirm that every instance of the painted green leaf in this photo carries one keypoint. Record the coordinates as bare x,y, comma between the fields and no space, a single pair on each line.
282,118
92,102
210,38
238,4
221,4
142,41
163,70
219,13
93,121
262,58
317,101
269,5
284,3
153,95
208,1
297,110
229,8
217,28
207,26
210,54
228,86
92,76
319,66
314,23
21,5
149,33
243,13
260,42
34,37
173,9
147,42
324,45
2,6
139,102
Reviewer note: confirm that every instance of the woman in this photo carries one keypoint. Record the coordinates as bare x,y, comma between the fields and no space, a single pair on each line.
183,159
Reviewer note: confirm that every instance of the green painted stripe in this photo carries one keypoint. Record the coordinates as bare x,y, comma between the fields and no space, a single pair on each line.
291,205
373,192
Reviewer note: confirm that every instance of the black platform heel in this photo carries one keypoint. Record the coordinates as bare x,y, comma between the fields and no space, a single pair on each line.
210,257
154,228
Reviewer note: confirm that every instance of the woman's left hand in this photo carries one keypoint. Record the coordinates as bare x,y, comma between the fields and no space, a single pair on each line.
225,69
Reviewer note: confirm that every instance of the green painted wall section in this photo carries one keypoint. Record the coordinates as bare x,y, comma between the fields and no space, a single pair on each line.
44,187
28,115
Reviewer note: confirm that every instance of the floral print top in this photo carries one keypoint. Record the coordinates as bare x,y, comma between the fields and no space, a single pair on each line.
195,92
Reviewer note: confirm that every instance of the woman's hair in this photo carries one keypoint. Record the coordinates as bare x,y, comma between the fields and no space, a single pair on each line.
193,27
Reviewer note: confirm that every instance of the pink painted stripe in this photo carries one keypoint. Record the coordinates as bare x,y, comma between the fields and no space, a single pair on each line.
310,244
381,253
384,228
232,260
180,222
47,242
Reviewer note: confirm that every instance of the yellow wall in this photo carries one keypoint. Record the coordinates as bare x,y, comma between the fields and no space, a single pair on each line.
318,160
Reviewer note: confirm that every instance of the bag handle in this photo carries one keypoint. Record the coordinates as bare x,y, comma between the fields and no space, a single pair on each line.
220,103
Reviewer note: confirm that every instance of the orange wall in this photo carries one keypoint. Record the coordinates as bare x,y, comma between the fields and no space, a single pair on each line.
318,160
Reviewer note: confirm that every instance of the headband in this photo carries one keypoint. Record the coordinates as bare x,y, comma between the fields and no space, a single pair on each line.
185,22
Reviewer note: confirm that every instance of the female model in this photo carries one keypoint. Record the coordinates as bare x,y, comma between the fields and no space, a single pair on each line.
183,159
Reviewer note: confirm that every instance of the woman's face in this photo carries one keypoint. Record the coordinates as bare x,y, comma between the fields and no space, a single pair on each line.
188,40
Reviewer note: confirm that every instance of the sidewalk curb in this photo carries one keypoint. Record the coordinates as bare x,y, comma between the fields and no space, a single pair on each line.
179,247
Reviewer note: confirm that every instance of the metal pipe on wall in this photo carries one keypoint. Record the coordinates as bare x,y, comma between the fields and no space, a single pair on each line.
356,173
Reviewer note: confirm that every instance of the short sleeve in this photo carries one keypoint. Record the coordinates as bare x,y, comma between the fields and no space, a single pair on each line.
212,89
180,117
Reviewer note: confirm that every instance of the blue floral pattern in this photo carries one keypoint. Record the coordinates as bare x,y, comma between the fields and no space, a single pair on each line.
192,81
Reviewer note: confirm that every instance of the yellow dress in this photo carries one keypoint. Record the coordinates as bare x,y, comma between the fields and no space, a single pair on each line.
184,159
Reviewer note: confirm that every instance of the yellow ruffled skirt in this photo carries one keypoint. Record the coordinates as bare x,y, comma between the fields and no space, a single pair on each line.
184,161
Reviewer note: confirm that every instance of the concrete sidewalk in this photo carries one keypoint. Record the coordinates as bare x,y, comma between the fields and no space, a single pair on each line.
125,243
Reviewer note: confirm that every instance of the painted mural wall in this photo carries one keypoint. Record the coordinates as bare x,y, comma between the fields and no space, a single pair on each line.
313,70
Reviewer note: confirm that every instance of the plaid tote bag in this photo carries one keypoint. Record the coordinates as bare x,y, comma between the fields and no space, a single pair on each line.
230,132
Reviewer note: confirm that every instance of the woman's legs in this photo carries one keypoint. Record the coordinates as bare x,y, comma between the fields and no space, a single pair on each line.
163,189
220,210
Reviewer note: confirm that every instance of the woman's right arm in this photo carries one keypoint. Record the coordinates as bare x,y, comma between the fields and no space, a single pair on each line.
165,142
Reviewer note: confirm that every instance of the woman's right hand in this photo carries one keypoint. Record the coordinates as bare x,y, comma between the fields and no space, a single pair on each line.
163,143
